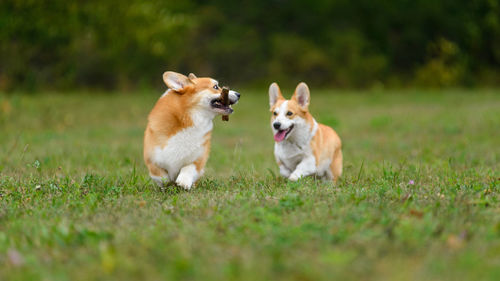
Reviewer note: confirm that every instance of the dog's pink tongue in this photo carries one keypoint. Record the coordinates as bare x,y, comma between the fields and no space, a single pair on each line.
280,135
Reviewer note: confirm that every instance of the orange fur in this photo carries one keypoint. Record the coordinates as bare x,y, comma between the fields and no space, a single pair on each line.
325,145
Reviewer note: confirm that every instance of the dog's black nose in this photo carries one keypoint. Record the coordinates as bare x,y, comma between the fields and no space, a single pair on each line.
277,125
237,94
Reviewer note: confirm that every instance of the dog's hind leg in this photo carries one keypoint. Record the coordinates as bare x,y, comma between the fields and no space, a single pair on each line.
158,175
336,165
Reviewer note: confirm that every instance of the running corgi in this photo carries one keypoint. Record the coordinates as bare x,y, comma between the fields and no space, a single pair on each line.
177,137
303,146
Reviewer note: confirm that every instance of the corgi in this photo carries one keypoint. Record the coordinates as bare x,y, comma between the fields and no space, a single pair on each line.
178,133
303,147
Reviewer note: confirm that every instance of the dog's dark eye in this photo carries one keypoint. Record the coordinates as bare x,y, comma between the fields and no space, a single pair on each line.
289,113
275,113
216,87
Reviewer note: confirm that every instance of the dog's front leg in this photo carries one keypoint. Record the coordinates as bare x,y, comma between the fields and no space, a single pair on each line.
187,176
306,167
284,171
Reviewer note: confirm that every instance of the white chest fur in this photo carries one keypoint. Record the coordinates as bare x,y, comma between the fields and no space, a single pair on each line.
295,153
290,154
185,147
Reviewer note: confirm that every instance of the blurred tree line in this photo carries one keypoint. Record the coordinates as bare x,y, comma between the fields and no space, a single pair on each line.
111,44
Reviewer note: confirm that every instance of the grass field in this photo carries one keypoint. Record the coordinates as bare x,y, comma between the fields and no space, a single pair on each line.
419,199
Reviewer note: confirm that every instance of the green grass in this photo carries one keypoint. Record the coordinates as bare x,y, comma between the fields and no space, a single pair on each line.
76,202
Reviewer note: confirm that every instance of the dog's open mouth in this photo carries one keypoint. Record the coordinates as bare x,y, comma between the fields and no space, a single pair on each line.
282,134
221,108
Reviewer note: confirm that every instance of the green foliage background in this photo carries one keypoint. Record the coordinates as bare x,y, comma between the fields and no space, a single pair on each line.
115,44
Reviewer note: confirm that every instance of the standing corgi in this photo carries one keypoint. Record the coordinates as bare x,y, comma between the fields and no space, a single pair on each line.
177,137
303,146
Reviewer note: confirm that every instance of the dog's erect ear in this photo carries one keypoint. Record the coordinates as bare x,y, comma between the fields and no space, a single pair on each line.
176,81
302,95
274,94
191,76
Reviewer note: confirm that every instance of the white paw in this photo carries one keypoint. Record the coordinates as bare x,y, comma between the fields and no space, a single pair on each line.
184,181
294,177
